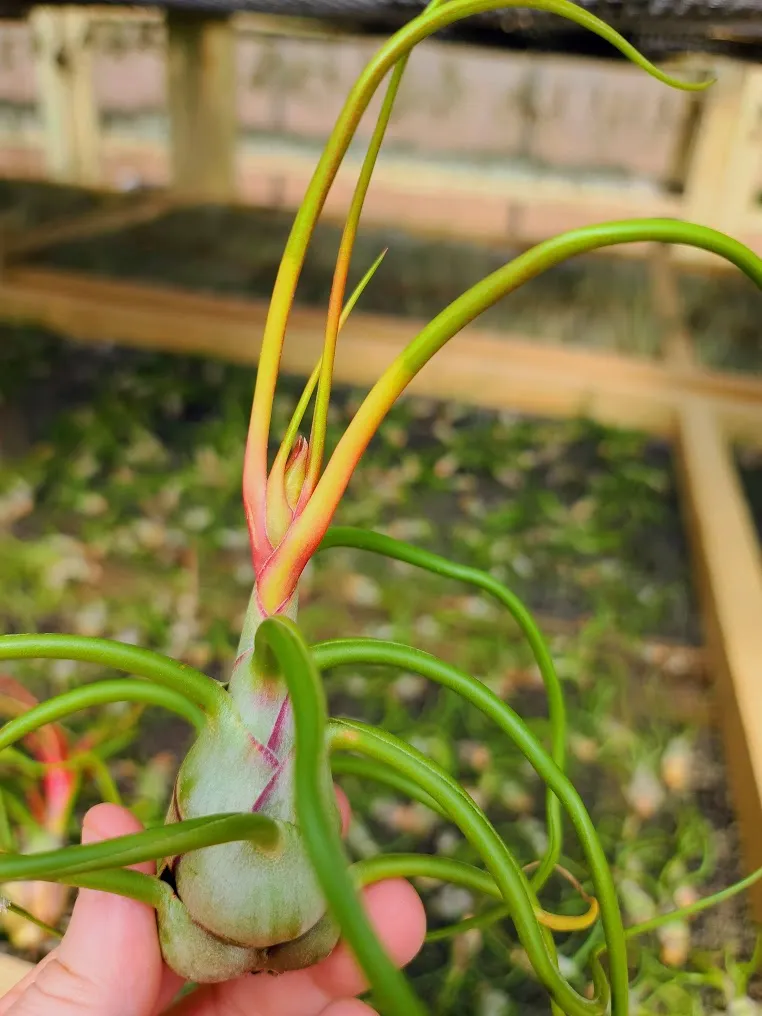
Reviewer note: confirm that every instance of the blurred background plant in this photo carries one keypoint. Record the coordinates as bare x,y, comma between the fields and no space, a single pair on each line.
44,791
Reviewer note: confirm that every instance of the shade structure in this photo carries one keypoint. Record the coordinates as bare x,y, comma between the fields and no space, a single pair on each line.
658,27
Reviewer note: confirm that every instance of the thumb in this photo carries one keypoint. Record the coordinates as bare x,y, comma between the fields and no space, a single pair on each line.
108,962
348,1007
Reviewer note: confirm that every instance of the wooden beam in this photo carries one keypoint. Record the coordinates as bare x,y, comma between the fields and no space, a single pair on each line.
684,143
722,177
63,62
677,345
201,85
729,569
491,369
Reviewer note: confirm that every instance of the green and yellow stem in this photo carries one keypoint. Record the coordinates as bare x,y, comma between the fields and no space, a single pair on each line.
190,684
395,50
98,694
134,885
29,767
282,570
398,550
646,927
338,286
305,398
341,273
448,869
513,883
7,838
280,505
76,762
18,911
353,651
369,769
149,845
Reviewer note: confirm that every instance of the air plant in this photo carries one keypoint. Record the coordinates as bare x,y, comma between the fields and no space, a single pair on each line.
252,871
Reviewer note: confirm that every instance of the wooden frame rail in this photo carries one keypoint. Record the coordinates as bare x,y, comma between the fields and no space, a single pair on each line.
727,561
67,100
493,369
728,566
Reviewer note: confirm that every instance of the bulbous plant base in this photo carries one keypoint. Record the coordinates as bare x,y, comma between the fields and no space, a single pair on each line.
242,894
194,953
309,948
197,955
241,907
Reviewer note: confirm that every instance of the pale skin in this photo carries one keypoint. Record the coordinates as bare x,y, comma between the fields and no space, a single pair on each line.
109,962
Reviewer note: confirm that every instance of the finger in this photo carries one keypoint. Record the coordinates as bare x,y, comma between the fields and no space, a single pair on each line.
109,962
14,994
345,809
348,1007
170,987
398,918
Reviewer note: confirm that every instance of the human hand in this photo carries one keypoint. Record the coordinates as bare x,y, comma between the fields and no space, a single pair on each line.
109,962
